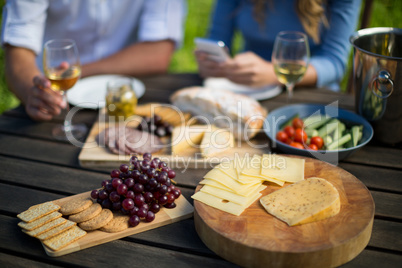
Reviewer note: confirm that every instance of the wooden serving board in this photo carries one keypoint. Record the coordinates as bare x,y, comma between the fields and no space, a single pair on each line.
96,157
183,210
258,239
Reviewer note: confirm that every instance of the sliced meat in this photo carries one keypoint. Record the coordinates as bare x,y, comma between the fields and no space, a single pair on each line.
102,137
111,141
142,142
125,141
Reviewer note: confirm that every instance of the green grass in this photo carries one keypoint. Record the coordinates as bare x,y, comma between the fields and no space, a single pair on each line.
386,13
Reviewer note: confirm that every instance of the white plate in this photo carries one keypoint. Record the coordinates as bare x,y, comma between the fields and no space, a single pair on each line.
90,92
261,93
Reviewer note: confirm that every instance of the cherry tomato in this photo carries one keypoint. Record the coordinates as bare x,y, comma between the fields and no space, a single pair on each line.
318,141
288,141
296,144
297,123
313,147
300,135
290,131
282,136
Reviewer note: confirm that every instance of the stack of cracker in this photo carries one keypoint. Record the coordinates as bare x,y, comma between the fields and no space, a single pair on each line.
91,216
44,222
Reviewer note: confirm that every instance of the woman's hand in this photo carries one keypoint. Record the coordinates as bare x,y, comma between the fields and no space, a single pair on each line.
249,69
42,103
208,67
245,68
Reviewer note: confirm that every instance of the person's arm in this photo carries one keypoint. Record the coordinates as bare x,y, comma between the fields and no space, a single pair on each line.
309,78
159,33
330,60
143,58
26,81
222,25
221,28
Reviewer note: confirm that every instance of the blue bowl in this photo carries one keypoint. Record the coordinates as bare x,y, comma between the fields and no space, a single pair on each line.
279,116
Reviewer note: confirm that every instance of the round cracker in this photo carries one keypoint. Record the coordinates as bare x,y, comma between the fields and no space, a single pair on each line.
117,224
99,221
75,206
86,214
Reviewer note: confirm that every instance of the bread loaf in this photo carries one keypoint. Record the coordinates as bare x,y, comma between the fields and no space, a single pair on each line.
242,115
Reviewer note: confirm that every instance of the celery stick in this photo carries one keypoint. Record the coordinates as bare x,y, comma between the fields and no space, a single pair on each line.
328,128
336,144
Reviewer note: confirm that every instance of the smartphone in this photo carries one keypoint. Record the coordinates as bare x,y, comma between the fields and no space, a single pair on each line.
217,50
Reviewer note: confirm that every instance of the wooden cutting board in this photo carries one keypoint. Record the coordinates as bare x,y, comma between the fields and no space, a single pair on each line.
95,157
183,210
258,239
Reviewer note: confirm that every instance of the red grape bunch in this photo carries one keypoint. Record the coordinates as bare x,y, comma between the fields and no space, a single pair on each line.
139,189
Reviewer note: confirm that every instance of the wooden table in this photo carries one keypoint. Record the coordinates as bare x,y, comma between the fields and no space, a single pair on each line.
35,168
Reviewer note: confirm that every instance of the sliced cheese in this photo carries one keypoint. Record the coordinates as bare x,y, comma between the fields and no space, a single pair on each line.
233,167
228,169
221,177
216,141
249,179
307,201
223,204
282,168
215,184
243,192
185,137
230,196
253,171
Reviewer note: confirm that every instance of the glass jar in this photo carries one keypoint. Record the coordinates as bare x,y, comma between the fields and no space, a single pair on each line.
121,100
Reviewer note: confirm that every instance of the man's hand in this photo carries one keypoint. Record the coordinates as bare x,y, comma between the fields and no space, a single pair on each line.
42,103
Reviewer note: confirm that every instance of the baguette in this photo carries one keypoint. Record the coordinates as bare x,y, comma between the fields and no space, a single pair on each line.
242,115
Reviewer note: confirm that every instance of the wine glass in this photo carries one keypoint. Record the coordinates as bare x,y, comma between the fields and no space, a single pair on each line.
62,67
290,58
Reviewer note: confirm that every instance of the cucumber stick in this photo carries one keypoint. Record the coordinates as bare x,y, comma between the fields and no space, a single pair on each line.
357,133
327,139
328,128
316,121
339,131
311,132
339,142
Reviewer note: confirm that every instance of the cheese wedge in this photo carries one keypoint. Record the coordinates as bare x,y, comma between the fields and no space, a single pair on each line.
222,204
307,201
186,137
216,141
282,168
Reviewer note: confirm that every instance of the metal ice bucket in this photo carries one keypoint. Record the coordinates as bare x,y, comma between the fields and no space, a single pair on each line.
377,80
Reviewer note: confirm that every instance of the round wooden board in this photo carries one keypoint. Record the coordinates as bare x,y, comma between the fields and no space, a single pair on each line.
258,239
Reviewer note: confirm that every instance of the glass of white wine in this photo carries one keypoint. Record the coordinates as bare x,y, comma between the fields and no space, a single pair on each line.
61,64
290,58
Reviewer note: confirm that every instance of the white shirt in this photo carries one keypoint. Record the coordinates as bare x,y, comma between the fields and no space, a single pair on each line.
99,27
